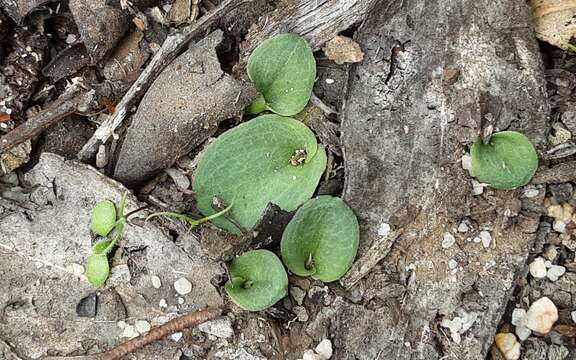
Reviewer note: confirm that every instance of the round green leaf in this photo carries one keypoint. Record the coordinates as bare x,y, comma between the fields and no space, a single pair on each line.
103,217
283,69
270,159
97,269
507,162
321,240
258,280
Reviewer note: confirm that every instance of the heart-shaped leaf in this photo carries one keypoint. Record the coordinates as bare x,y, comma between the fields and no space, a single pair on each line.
321,240
283,69
270,159
507,162
258,280
97,269
103,217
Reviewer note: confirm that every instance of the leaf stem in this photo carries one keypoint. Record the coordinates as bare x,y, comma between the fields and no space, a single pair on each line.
122,205
121,223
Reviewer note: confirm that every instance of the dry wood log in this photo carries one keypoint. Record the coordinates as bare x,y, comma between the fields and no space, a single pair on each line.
434,73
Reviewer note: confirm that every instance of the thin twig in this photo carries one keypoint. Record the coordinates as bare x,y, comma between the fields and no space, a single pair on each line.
155,334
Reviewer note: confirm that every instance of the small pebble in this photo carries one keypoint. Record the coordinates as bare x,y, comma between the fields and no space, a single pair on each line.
182,286
101,157
463,227
297,294
156,282
221,328
311,355
573,314
523,333
176,336
548,264
477,188
121,324
301,313
550,253
120,275
485,237
384,229
329,81
324,349
180,300
518,316
71,39
180,179
537,268
555,272
129,332
559,226
531,193
86,307
541,316
75,269
508,346
448,240
467,164
163,303
142,326
452,264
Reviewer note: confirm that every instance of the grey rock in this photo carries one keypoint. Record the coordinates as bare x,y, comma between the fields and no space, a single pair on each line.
221,328
87,306
535,349
101,26
561,192
557,352
42,293
182,108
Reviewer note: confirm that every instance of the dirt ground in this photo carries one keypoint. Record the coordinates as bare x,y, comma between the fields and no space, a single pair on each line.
91,90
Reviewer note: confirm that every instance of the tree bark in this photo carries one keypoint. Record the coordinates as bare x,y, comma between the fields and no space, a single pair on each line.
435,75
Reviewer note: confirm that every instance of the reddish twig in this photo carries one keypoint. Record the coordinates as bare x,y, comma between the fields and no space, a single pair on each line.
155,334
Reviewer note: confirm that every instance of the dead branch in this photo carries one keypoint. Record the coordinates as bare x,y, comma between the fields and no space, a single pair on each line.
170,49
67,104
157,333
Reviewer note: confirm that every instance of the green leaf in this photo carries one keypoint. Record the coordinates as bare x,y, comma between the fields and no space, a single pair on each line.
283,69
97,269
507,162
270,159
101,247
321,240
103,217
258,280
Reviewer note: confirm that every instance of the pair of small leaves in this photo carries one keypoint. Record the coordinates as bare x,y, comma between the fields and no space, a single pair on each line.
283,70
105,218
320,241
507,162
270,159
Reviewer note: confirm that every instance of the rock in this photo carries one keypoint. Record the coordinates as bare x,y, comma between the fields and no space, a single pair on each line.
142,326
163,303
508,346
559,226
221,328
179,178
485,237
541,316
558,352
342,50
301,313
130,332
477,188
463,227
555,272
452,264
15,157
560,136
467,164
573,316
156,282
531,192
297,294
455,326
537,268
518,316
324,349
102,32
183,286
176,336
550,252
311,355
523,333
561,212
384,229
87,306
561,192
182,109
119,275
448,240
126,59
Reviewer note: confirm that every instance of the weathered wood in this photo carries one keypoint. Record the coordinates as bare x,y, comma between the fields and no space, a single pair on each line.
436,73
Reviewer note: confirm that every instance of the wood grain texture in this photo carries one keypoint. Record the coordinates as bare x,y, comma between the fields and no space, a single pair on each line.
436,73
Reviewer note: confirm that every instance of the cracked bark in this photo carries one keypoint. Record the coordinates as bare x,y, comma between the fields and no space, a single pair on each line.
403,135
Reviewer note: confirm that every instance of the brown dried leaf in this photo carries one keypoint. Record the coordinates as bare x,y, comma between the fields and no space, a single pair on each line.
343,50
554,21
4,117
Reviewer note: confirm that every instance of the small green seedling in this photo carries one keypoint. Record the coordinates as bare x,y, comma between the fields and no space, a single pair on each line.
105,219
283,69
321,240
270,159
257,280
507,162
